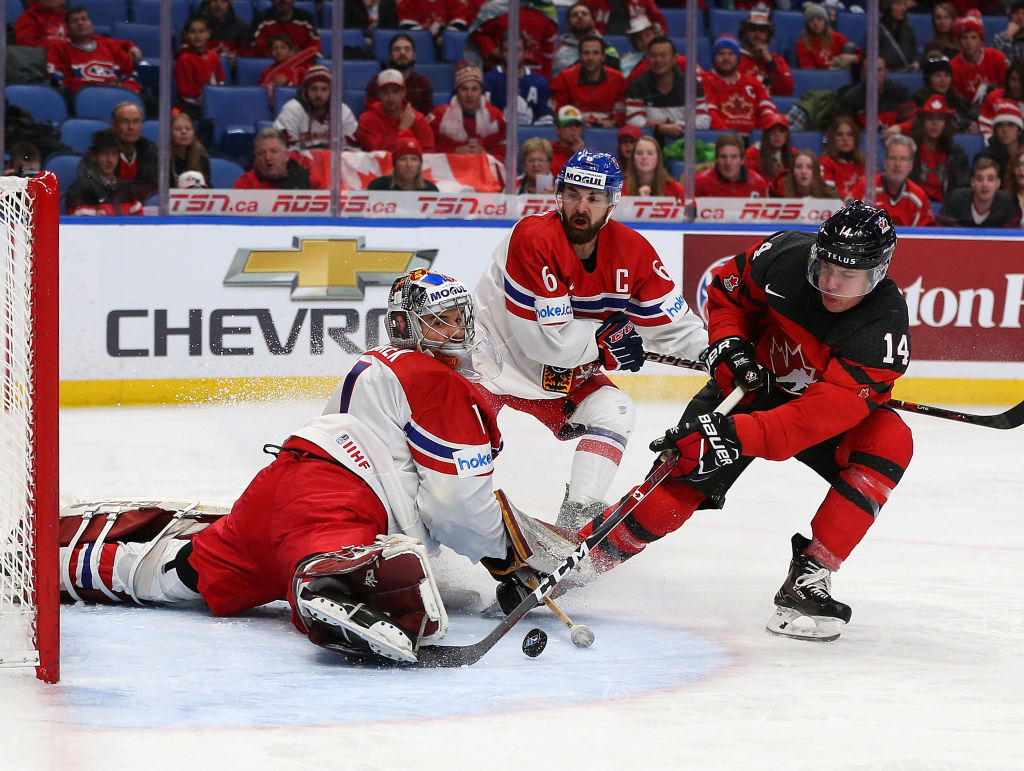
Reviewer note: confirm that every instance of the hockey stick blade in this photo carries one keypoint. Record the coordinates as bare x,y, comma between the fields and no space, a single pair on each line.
465,655
1012,418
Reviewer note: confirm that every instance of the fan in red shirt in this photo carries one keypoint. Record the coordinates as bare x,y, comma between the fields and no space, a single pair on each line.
282,18
195,67
842,163
85,59
597,91
729,178
977,68
537,19
757,59
41,24
569,128
734,101
390,114
646,174
821,48
773,156
469,123
905,201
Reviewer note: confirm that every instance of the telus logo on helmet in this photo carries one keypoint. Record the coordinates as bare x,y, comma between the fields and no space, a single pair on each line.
586,178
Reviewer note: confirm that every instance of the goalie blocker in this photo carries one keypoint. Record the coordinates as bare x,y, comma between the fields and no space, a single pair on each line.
362,601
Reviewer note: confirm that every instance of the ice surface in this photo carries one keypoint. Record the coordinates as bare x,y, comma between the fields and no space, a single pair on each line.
928,674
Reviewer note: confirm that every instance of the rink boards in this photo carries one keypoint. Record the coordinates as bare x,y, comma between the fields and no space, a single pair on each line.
164,312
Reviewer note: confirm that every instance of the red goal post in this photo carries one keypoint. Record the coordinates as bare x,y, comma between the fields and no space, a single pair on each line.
29,424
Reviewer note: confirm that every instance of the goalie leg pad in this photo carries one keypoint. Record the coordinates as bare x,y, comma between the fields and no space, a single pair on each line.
391,577
124,550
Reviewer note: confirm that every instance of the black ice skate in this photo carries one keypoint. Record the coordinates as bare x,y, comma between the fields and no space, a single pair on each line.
804,607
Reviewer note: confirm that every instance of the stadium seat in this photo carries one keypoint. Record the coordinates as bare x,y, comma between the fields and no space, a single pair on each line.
355,98
922,24
224,172
603,139
98,101
65,167
971,143
789,25
148,12
281,95
828,80
676,18
248,69
234,110
528,132
855,27
441,76
453,42
807,140
44,103
726,21
562,11
151,130
420,38
104,12
912,80
145,36
358,72
620,43
353,38
77,133
442,97
785,103
147,72
243,9
993,26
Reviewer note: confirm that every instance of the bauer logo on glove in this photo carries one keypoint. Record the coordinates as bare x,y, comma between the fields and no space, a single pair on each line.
705,445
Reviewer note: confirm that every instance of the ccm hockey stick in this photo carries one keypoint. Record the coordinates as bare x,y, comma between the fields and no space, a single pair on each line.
1012,418
464,655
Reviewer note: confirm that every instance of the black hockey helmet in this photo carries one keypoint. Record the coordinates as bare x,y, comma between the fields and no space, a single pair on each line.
857,237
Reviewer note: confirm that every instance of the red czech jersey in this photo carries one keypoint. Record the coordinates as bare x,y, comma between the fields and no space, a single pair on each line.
989,70
763,295
107,64
597,101
909,206
740,105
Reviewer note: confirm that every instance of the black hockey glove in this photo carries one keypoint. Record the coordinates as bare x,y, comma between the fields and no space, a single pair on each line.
706,445
618,344
732,361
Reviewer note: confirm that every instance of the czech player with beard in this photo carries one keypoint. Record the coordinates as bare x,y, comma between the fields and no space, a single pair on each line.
815,332
341,522
571,292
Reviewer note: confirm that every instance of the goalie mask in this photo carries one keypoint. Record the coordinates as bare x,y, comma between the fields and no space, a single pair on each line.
433,313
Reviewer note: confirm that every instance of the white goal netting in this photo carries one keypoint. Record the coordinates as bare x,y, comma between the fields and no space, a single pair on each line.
17,556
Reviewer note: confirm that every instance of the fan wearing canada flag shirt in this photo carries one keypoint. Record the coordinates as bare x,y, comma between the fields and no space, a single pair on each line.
569,293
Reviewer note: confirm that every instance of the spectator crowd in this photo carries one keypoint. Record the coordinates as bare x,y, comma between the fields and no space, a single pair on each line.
780,105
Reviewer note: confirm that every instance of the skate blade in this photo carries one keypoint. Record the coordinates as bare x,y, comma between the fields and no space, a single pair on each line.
792,623
327,612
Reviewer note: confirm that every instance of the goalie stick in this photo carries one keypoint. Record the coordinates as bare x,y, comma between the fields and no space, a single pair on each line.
1011,418
465,655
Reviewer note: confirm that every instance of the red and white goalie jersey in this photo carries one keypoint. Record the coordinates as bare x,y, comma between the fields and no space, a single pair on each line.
544,304
421,437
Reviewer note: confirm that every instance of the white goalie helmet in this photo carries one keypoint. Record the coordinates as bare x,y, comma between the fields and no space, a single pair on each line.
434,313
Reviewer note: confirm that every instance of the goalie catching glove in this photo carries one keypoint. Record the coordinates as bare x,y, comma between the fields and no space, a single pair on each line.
618,344
705,445
732,361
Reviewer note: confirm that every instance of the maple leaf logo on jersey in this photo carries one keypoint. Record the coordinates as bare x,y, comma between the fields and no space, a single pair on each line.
731,282
864,393
792,373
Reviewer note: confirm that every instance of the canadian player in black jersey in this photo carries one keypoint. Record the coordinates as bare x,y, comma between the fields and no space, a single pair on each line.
811,327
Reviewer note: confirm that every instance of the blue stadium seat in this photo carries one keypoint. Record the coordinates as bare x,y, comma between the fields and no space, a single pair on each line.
103,12
355,98
912,80
98,101
281,95
442,97
148,12
224,172
789,25
358,72
620,43
562,11
352,38
441,76
147,72
603,139
726,21
829,80
807,140
993,26
703,52
676,18
971,143
785,103
248,69
65,167
145,36
243,9
420,38
44,103
855,27
453,42
234,109
676,169
77,133
922,24
544,132
151,130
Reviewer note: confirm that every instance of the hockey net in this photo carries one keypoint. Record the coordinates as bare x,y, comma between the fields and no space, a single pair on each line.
29,599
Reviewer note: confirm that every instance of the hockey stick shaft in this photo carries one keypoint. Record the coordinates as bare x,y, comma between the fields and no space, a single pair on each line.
1011,418
464,655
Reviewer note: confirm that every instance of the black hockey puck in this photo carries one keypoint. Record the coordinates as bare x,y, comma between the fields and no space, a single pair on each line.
535,642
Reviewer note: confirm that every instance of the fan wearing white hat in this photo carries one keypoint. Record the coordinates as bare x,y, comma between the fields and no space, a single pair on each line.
391,113
305,121
756,57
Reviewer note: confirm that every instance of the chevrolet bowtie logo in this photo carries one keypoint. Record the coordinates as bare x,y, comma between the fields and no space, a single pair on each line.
324,268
